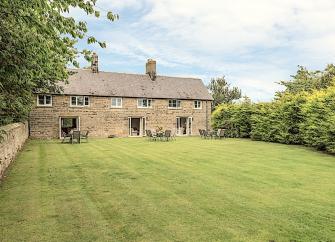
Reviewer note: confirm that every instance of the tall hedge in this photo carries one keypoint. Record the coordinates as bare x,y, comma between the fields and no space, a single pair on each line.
306,118
318,129
235,118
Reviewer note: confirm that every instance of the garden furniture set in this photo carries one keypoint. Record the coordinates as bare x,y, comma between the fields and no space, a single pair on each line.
75,136
212,134
160,135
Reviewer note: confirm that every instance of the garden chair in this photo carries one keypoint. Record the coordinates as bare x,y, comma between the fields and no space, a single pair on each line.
173,135
201,133
76,136
215,134
206,134
150,135
67,138
167,135
221,133
84,136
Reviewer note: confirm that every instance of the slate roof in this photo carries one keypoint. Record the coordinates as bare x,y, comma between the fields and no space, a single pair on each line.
84,82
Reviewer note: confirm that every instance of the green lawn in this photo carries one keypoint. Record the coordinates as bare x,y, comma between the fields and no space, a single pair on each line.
186,190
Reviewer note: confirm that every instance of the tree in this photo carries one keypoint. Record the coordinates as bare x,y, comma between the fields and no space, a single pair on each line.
308,81
222,92
37,42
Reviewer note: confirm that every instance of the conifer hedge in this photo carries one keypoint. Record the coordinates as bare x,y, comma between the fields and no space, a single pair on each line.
304,117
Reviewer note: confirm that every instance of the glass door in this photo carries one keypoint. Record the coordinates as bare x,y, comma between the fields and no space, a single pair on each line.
142,126
129,126
178,126
189,125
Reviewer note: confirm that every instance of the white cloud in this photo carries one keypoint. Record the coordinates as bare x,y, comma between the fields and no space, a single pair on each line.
116,5
254,43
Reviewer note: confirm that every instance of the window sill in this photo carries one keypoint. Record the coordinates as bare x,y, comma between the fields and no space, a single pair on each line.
71,106
44,106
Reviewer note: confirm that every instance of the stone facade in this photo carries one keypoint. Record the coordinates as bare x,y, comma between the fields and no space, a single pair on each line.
101,120
13,139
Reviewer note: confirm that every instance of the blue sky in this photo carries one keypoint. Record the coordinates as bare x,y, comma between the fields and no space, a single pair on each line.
253,43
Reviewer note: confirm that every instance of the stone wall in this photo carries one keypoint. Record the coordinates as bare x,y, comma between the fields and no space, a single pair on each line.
14,138
102,120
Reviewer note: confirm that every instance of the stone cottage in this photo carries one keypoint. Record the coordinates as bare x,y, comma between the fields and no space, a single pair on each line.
120,104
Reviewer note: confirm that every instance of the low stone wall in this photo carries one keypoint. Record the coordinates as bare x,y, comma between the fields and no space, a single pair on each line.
13,139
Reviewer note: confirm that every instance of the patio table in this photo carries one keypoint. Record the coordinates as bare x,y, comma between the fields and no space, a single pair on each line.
160,134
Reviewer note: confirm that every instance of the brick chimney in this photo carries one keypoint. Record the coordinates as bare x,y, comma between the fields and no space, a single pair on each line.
150,69
95,63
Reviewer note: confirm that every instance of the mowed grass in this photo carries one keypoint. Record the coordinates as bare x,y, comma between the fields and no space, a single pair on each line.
186,190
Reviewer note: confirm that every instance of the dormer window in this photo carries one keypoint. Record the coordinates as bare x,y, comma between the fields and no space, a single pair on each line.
44,100
79,101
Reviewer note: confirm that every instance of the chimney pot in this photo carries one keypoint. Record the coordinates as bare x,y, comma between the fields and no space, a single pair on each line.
95,63
150,69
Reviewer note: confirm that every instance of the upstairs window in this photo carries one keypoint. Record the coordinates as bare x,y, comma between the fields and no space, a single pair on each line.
80,101
44,100
116,102
144,103
174,103
197,104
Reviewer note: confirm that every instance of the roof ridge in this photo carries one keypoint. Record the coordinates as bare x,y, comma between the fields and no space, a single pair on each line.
136,74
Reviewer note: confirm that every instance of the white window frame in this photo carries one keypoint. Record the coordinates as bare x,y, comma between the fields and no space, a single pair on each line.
148,99
80,106
177,101
44,98
116,98
199,102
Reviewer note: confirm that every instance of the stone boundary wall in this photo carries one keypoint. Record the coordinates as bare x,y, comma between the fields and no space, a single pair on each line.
13,140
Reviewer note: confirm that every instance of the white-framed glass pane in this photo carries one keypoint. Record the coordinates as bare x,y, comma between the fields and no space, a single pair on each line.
87,101
47,100
174,103
144,102
197,104
116,102
119,102
80,101
74,101
41,99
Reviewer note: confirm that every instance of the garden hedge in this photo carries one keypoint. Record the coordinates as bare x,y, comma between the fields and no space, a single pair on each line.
306,118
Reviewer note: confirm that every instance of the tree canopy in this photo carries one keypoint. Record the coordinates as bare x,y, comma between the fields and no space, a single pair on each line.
308,81
37,42
222,92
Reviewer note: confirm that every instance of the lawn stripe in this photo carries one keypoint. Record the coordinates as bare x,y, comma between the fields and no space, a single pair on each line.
186,190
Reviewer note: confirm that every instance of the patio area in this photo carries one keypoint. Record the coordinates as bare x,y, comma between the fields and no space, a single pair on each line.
190,189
